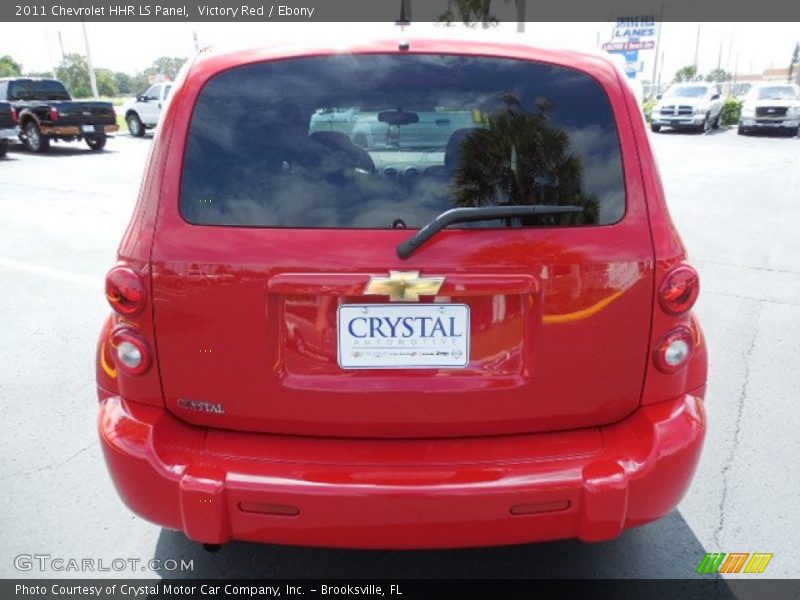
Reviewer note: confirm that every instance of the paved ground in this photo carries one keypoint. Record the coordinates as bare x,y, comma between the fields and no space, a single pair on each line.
735,201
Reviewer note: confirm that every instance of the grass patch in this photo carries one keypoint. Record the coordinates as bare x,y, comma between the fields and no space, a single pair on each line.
123,126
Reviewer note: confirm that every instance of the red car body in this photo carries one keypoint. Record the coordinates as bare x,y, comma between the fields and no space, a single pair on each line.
239,423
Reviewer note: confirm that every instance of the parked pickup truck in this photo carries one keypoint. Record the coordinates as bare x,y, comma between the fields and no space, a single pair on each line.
8,126
144,112
46,112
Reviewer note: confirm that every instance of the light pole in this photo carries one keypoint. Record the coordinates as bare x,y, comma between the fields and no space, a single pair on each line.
658,44
92,78
697,48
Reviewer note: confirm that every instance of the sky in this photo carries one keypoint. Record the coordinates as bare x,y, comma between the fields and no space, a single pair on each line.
132,47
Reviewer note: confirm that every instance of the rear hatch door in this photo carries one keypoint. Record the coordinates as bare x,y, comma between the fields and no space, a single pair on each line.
281,304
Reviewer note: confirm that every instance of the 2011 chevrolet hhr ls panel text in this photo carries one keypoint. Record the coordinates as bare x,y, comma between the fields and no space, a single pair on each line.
407,295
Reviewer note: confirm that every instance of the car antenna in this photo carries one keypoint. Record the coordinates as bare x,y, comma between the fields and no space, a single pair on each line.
402,22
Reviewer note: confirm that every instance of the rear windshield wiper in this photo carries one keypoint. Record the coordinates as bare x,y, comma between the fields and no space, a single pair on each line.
479,213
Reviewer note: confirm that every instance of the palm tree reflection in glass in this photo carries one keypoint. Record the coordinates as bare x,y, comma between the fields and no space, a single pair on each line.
520,158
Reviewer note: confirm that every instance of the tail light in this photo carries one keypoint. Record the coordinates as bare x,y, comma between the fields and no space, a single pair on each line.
14,115
54,116
673,350
131,352
125,291
679,290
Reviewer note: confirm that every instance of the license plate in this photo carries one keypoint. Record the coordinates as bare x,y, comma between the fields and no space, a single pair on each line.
403,336
88,128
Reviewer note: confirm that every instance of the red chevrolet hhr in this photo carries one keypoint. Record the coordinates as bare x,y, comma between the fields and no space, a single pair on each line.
404,295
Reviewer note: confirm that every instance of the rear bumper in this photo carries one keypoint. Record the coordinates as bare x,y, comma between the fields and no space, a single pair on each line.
75,130
217,485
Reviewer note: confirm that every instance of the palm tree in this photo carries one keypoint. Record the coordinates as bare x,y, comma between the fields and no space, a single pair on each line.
521,158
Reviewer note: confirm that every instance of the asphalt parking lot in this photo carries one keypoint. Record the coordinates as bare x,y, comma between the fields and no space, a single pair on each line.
735,201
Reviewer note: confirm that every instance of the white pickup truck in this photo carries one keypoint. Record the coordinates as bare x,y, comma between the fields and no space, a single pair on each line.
144,112
771,106
695,106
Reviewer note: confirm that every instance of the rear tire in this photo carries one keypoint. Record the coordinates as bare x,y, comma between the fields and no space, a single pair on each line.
34,140
135,125
717,121
655,128
96,143
741,130
3,148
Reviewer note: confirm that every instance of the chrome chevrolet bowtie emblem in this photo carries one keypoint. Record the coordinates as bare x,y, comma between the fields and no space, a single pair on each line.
403,286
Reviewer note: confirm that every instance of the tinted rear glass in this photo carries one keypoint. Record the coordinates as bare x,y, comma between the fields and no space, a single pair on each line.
42,89
375,141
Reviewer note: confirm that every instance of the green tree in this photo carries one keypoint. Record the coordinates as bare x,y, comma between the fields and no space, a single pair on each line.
719,75
123,81
470,12
106,82
9,67
74,74
140,82
167,66
687,73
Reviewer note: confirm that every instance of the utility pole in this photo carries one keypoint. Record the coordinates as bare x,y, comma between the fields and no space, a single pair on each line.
61,45
50,53
658,43
731,37
92,78
697,48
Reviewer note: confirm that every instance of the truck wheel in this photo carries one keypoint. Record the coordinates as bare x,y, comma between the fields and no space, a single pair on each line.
135,125
717,121
3,148
706,126
741,130
655,128
794,131
96,143
34,140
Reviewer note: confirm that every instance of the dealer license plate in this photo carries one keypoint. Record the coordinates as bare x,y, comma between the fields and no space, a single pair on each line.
403,336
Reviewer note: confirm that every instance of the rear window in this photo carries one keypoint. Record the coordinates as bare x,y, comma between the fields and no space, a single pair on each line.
37,89
381,141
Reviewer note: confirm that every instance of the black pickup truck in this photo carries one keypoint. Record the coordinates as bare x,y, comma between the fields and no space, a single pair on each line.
8,126
46,112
